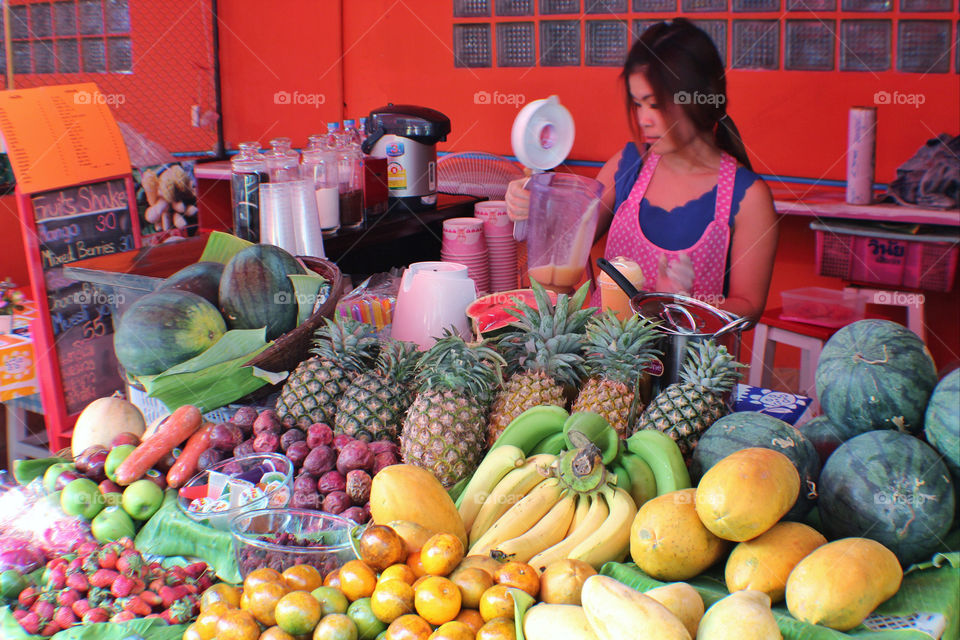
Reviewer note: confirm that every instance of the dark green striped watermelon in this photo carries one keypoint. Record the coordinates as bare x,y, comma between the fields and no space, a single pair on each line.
875,374
256,292
825,436
165,328
891,487
201,278
746,429
942,421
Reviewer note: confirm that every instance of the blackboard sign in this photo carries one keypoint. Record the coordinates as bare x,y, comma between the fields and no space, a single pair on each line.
75,353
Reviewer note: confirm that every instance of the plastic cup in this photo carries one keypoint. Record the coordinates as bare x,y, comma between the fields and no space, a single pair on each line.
611,295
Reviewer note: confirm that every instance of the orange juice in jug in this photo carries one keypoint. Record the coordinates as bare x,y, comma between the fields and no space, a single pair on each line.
611,295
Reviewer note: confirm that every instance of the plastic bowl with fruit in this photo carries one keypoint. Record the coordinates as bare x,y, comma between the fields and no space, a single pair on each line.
282,538
217,495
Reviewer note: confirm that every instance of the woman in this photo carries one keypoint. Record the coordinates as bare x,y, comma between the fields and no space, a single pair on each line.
688,209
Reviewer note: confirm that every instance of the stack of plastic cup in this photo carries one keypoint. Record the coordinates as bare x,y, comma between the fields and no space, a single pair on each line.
464,241
501,247
276,216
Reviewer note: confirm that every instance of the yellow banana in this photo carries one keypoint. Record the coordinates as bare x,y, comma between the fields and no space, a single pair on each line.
509,491
494,466
596,514
611,540
520,516
550,530
583,507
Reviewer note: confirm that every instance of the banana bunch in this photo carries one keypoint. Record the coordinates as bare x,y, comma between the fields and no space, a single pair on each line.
536,430
650,464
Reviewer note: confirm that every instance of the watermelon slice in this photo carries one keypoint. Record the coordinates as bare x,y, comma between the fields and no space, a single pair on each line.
490,314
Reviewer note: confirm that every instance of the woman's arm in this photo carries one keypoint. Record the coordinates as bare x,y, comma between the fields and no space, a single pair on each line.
753,247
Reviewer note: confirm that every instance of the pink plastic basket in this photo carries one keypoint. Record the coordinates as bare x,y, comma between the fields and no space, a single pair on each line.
869,255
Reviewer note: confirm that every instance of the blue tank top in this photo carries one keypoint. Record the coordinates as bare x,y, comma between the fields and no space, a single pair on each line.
679,228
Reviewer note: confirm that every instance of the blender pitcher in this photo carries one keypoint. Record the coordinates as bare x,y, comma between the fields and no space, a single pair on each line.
561,226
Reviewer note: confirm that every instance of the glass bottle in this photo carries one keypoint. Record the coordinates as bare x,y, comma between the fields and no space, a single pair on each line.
283,161
333,135
319,167
248,171
350,174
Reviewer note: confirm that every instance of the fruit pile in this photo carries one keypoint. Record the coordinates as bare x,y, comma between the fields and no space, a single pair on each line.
109,583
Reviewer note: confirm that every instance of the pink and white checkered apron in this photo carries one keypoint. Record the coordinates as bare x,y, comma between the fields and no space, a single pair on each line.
708,255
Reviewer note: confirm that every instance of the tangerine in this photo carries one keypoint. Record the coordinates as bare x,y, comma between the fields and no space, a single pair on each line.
471,618
453,630
332,579
398,572
206,623
392,599
276,633
561,582
368,625
437,600
380,546
261,575
486,563
496,602
336,626
409,627
441,554
302,577
498,629
297,612
520,575
357,580
331,600
472,581
237,625
191,633
416,564
220,592
262,600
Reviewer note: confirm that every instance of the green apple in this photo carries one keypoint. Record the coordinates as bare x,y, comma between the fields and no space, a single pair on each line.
114,458
142,499
82,498
111,524
51,474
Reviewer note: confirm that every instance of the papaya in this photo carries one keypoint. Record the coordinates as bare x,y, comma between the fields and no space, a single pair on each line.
764,563
746,493
742,615
407,492
615,611
842,582
201,278
557,622
165,328
256,292
668,541
683,601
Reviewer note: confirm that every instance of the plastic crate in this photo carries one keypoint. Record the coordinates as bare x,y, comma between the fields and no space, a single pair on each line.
824,307
860,253
152,409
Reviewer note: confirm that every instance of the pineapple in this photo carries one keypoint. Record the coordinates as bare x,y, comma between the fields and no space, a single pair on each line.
617,354
684,410
342,349
544,355
445,428
373,406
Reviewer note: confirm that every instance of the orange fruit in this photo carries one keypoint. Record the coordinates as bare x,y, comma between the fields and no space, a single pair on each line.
519,575
419,581
496,602
336,626
409,627
392,599
220,592
416,564
206,623
380,546
262,600
332,579
261,575
302,577
276,633
191,633
437,600
472,582
441,554
498,629
562,581
471,618
452,631
398,572
237,625
357,580
297,612
486,563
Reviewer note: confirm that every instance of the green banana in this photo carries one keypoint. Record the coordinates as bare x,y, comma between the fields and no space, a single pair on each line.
597,430
643,484
552,444
623,476
663,455
532,426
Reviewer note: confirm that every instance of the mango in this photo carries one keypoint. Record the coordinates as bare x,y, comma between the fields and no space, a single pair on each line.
683,601
615,612
743,615
406,492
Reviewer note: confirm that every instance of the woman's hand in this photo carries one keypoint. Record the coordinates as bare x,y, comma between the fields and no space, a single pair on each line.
518,200
675,275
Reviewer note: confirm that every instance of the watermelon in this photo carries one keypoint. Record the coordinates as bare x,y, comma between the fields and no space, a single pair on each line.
256,292
746,429
941,423
165,328
875,374
201,278
891,487
491,314
825,436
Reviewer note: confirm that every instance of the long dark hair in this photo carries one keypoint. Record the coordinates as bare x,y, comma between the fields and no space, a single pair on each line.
683,67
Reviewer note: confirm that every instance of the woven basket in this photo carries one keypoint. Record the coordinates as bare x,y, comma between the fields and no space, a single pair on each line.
293,347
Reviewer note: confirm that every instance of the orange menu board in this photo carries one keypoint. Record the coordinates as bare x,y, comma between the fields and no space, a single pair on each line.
61,135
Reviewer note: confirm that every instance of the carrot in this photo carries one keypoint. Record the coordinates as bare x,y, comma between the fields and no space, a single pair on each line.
180,426
186,464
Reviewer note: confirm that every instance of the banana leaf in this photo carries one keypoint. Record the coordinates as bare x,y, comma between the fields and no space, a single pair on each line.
222,246
930,590
521,602
217,376
26,470
138,629
306,289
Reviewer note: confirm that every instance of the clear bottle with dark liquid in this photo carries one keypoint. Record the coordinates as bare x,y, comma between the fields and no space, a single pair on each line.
249,170
350,169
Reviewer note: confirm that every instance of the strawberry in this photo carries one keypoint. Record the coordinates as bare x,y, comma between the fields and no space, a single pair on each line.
85,548
169,595
80,607
27,597
108,557
78,581
103,578
137,606
19,613
65,617
50,629
90,565
43,608
122,616
130,562
122,586
57,578
30,623
75,565
180,573
67,597
95,615
126,543
154,569
196,569
156,584
56,562
98,596
151,598
205,581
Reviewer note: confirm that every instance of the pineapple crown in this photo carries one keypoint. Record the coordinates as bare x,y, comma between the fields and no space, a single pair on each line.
398,360
710,366
620,350
549,338
350,343
453,364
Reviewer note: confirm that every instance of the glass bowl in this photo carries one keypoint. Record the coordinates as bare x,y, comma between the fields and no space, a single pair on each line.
247,467
282,538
